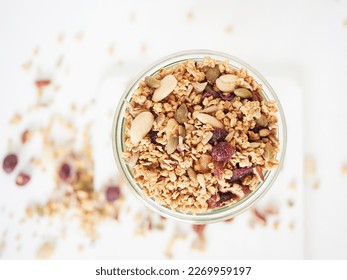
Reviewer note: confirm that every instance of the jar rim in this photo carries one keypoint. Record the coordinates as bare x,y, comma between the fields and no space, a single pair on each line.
218,214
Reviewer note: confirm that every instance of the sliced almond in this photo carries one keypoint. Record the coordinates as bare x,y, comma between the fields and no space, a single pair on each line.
207,119
140,126
207,138
181,114
201,180
152,82
167,85
199,87
226,83
171,128
192,174
243,93
210,109
259,172
172,144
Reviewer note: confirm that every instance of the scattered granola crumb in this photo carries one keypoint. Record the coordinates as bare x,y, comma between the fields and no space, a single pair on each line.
199,243
45,251
190,15
344,169
143,48
291,225
26,136
110,49
36,51
316,185
276,225
79,36
310,167
80,248
292,185
27,65
15,119
260,218
228,29
290,203
60,39
60,61
345,23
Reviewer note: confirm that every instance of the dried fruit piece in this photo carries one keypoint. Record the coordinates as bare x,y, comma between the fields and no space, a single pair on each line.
219,135
64,171
112,193
208,119
212,74
256,96
181,114
243,93
245,189
26,135
259,217
262,121
152,82
203,162
259,172
140,126
22,179
210,92
223,151
153,134
199,230
226,96
42,83
199,87
167,85
227,196
212,202
226,83
10,162
218,169
172,144
240,173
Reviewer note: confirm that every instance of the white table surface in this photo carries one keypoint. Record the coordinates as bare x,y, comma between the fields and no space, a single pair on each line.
301,48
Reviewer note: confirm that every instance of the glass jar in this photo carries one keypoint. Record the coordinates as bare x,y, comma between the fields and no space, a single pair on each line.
217,214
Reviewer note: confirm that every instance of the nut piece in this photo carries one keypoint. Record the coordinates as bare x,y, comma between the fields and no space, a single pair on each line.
192,174
172,144
199,87
226,83
181,114
262,121
171,128
268,152
167,85
203,162
210,109
182,131
257,170
201,180
264,132
212,74
207,119
140,126
152,82
243,93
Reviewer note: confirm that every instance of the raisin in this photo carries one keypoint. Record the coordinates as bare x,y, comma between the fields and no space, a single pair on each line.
246,190
64,171
218,169
153,134
112,193
22,179
223,151
223,197
219,135
240,173
226,97
210,92
10,162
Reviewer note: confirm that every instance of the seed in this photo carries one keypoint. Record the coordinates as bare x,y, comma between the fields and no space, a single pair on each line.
207,119
112,193
199,87
167,85
268,152
140,126
171,128
22,179
133,159
152,82
243,93
10,162
181,114
262,121
226,83
212,74
182,131
264,132
172,144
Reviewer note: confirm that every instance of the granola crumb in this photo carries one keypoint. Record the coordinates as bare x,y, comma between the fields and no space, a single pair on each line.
27,65
45,251
316,185
344,169
310,167
15,119
60,39
276,225
79,36
291,226
178,235
228,29
292,185
290,202
143,48
345,23
190,15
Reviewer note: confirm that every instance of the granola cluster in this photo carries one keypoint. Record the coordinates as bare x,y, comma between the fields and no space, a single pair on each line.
200,135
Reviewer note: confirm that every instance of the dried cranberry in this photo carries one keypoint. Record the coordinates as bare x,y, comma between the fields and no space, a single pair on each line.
223,151
226,97
10,163
210,92
212,202
199,229
223,197
22,179
218,169
153,136
112,193
42,83
246,190
219,135
65,171
256,96
240,173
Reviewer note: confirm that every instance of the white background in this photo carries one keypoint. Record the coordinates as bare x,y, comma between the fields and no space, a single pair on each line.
299,46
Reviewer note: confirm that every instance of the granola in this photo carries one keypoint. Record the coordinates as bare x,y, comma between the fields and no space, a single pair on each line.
200,135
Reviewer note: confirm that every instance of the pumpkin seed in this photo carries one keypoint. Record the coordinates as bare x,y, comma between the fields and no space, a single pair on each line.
207,119
262,121
243,93
212,74
182,131
167,85
172,144
268,152
140,126
152,82
171,128
226,83
181,114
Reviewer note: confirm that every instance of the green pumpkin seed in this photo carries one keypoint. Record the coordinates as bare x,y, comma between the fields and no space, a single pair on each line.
243,93
172,144
212,74
181,114
152,82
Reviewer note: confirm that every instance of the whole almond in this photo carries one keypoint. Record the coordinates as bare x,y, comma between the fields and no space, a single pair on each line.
243,93
167,85
226,83
140,126
152,82
172,144
181,114
199,87
207,119
171,128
